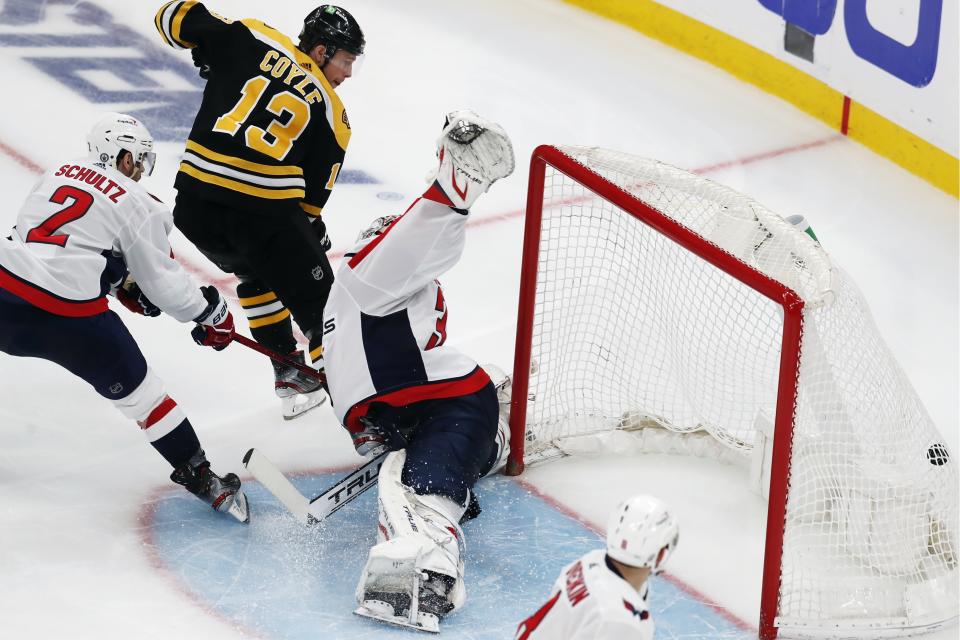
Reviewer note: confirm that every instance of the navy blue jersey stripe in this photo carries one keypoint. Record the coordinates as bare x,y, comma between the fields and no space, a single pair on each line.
393,356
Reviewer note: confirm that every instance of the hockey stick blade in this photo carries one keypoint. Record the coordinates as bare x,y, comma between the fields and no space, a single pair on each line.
346,490
276,483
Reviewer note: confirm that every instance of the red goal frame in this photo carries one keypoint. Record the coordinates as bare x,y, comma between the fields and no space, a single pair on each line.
788,299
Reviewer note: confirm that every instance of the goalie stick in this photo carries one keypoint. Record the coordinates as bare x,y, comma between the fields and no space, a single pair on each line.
314,511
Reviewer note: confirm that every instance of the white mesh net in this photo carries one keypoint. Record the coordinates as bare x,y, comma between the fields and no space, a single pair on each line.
632,332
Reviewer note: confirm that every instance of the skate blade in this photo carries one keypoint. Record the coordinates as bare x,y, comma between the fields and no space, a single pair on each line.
296,405
239,508
383,612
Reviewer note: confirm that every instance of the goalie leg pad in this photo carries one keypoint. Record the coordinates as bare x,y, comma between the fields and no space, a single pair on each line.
416,569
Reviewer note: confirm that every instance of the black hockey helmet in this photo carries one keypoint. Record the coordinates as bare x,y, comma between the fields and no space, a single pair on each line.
333,27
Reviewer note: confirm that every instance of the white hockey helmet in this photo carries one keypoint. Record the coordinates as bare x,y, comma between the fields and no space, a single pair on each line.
642,533
114,132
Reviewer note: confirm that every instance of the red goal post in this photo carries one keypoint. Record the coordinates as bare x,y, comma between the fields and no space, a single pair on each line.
605,229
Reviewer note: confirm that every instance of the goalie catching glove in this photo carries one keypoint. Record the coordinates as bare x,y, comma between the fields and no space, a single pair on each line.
215,325
474,153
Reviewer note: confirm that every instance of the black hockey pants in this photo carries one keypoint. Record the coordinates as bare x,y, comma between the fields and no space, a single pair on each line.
273,253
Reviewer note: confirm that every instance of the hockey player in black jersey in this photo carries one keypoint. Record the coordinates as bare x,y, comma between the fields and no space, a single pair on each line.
264,151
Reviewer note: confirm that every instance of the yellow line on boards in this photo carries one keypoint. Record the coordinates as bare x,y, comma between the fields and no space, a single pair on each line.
785,81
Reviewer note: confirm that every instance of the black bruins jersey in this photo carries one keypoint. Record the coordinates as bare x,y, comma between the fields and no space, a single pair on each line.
271,133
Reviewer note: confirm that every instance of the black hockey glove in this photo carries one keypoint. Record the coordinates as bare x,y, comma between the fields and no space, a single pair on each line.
321,230
200,63
133,298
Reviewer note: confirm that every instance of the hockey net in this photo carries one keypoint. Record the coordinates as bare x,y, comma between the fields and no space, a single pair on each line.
658,307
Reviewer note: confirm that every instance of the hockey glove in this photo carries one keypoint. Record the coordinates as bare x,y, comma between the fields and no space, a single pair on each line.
215,325
474,153
378,436
200,63
133,298
320,229
370,442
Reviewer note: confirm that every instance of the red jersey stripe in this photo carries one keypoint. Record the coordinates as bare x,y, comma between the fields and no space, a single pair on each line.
49,302
472,383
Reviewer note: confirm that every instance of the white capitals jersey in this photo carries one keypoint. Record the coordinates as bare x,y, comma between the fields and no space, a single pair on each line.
79,232
590,601
385,320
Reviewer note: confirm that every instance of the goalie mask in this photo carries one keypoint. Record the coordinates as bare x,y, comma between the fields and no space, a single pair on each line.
642,533
116,132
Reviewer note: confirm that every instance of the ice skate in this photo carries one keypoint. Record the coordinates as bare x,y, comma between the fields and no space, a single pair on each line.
420,604
298,392
221,493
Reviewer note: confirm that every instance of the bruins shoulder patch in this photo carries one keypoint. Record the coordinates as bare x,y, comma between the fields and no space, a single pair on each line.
346,120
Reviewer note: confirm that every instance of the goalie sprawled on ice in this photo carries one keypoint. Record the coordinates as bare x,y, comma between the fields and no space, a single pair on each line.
397,386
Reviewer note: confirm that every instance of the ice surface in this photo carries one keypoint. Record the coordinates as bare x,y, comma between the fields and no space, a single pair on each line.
79,559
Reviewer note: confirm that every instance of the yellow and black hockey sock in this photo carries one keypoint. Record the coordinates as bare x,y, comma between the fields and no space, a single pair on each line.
316,352
267,317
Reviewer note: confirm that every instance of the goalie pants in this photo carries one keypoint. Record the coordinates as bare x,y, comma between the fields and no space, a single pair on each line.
451,442
100,350
278,258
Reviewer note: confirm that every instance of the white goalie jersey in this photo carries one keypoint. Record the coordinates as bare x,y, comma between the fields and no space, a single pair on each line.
80,231
385,320
590,601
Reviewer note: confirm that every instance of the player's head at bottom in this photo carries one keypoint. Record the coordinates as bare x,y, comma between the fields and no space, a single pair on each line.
642,534
122,142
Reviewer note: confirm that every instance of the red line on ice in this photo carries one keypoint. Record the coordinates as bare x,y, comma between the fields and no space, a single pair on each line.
145,520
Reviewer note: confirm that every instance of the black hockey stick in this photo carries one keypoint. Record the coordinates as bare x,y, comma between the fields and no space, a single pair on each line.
344,491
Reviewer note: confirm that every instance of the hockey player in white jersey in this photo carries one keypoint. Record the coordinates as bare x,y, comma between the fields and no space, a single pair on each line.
603,595
396,385
89,229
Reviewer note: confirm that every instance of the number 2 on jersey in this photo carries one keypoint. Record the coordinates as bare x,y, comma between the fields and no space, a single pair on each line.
283,135
77,209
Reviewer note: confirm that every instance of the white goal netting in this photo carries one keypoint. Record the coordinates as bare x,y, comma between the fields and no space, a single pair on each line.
634,333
